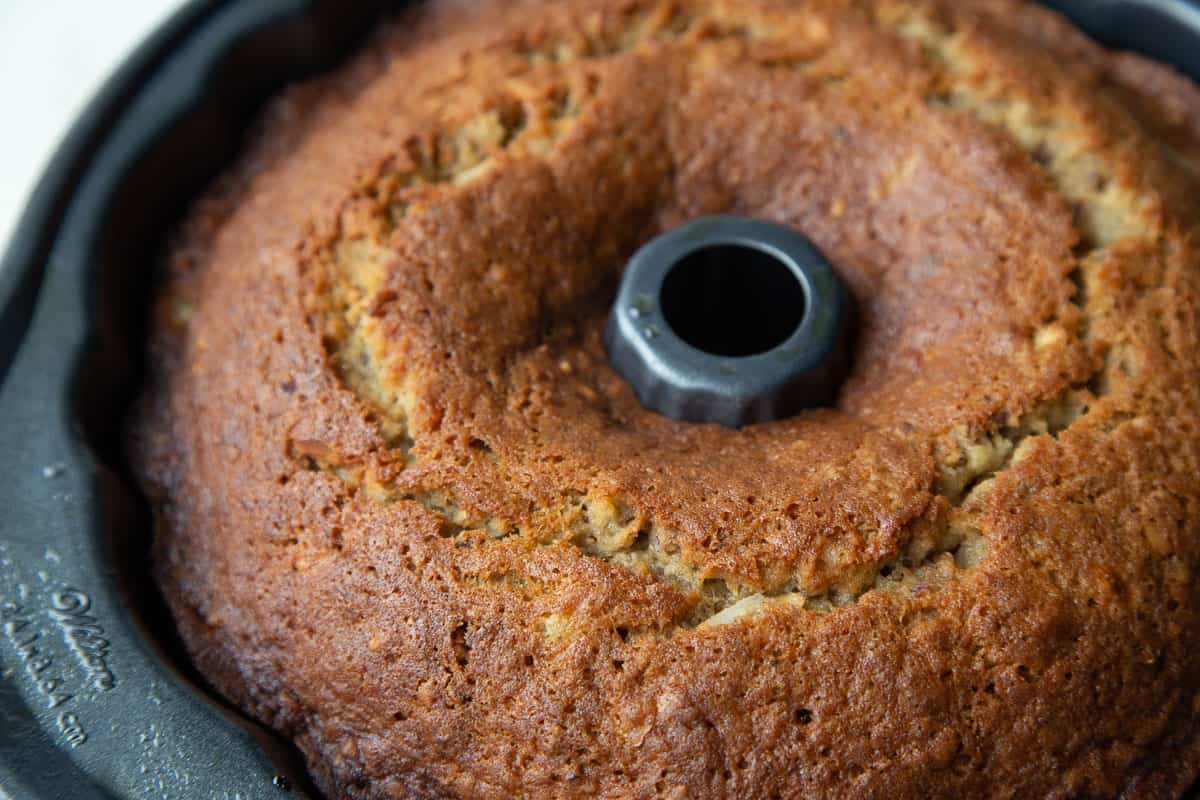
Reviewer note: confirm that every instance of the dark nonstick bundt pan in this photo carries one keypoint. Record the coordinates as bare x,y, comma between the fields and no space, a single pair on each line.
96,698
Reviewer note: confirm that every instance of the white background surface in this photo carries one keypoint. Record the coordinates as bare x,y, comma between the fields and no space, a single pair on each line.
54,55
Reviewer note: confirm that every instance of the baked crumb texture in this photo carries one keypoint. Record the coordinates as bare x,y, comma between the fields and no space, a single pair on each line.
409,518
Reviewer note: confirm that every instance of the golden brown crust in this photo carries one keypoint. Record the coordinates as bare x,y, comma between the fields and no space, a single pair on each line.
410,518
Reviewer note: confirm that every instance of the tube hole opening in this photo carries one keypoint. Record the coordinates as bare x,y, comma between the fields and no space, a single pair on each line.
732,300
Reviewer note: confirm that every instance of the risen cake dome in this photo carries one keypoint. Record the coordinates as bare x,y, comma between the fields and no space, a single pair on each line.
411,519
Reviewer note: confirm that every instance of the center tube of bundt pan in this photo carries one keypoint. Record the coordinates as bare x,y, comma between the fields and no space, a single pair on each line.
731,320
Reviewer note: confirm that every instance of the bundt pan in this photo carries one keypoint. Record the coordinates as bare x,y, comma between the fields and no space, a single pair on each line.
96,698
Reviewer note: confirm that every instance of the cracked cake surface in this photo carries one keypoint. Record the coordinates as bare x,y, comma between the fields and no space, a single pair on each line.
407,516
